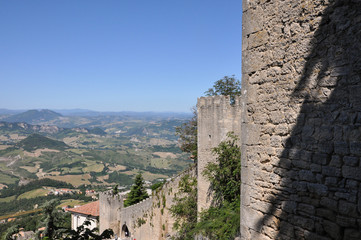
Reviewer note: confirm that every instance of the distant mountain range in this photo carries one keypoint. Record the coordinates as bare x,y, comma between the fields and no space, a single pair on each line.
90,113
9,111
150,114
31,116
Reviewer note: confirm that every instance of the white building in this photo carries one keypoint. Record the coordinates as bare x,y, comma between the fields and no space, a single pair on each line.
88,212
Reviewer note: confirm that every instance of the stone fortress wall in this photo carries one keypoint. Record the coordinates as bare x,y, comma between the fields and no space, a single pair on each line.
151,219
216,117
301,125
299,118
147,220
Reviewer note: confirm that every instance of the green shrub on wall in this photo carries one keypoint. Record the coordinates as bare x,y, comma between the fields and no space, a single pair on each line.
222,219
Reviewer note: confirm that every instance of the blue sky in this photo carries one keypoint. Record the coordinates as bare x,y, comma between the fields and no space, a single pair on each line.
116,55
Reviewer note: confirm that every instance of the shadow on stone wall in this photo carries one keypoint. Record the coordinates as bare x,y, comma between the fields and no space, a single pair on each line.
320,193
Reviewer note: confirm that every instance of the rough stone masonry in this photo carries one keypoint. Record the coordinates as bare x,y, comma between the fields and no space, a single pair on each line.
301,119
216,117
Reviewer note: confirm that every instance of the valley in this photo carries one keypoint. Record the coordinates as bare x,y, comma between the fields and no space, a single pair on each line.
100,150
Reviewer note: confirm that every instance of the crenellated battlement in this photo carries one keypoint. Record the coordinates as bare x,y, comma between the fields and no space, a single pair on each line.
110,206
148,219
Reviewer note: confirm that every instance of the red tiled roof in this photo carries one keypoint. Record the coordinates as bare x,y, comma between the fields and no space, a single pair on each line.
87,209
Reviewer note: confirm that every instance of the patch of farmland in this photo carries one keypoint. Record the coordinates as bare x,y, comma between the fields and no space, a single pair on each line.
118,168
34,193
33,169
93,167
7,179
75,180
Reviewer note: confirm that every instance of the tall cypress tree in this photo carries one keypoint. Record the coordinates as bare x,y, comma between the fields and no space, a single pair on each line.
137,192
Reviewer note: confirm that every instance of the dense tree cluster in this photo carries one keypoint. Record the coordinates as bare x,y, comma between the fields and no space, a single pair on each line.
116,177
28,222
225,174
16,190
25,204
227,86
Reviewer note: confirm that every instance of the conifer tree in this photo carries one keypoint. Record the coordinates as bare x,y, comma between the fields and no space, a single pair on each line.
137,192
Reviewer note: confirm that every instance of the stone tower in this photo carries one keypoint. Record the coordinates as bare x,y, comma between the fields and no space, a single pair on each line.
216,117
301,121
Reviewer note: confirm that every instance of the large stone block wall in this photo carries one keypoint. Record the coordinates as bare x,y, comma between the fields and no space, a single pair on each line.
147,220
301,120
133,215
216,117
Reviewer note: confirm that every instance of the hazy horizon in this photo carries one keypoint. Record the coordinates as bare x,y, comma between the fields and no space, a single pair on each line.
94,110
78,110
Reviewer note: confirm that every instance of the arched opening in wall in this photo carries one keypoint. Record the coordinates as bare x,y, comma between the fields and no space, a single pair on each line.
125,231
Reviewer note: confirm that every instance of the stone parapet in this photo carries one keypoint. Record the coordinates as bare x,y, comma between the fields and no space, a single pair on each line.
149,219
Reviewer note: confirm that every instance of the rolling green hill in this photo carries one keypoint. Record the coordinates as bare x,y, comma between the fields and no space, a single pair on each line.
97,150
97,131
37,141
